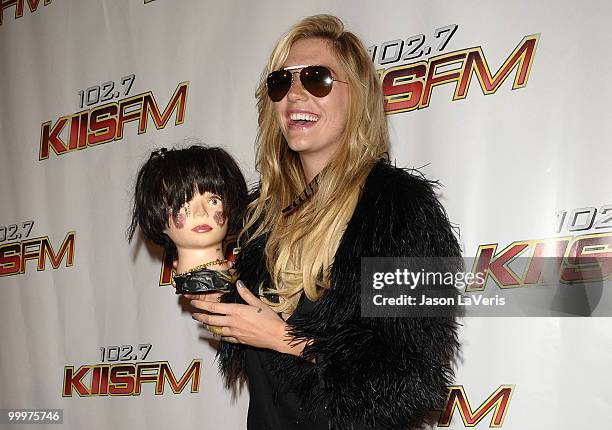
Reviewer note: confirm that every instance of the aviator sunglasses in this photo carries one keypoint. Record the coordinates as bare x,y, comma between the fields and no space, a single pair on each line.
317,80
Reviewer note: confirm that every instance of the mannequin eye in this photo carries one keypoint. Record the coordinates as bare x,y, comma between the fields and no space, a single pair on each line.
214,200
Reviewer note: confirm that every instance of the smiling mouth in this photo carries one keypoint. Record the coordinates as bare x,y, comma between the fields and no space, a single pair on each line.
204,228
301,120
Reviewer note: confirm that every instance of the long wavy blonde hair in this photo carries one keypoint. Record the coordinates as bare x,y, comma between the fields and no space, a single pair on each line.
300,247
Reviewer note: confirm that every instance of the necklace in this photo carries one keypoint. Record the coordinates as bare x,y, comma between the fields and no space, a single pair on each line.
201,266
310,189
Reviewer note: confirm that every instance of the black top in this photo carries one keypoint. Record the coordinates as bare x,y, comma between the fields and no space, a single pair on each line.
388,371
265,412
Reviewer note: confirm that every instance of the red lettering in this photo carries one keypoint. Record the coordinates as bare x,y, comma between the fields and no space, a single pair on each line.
51,138
434,78
165,278
521,57
121,385
83,130
140,378
10,259
106,123
72,379
409,87
73,136
589,259
177,101
129,116
33,4
66,248
95,380
403,87
104,380
551,253
498,401
103,124
193,373
487,265
34,254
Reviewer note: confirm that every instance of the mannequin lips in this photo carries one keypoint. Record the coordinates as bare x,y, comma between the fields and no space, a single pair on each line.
204,228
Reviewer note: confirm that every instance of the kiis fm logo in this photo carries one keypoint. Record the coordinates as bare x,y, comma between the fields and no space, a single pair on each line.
32,4
126,379
581,258
105,123
457,399
408,87
15,255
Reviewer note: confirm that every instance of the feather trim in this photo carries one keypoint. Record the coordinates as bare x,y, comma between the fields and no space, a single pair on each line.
378,372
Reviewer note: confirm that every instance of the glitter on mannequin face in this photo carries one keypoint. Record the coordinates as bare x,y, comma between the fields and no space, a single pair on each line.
219,218
179,220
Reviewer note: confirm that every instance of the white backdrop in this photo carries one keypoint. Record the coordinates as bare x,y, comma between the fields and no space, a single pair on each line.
511,161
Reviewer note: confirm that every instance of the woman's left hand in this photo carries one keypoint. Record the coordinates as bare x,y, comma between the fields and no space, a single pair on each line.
254,324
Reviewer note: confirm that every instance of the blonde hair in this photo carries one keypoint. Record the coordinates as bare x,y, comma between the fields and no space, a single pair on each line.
300,247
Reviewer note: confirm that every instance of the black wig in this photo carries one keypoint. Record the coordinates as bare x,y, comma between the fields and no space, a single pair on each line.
170,178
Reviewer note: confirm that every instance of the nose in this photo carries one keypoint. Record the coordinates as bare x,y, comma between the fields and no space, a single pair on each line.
296,91
199,208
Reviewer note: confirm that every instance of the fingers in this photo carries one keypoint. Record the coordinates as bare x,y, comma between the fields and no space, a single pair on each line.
205,297
218,308
216,330
246,294
225,333
215,320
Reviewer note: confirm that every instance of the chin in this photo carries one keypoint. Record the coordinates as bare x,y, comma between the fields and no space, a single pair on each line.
300,145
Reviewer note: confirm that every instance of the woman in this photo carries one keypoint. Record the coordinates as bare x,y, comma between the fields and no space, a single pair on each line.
311,360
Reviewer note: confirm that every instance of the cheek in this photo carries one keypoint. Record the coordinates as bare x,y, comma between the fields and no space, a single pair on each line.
343,120
337,105
219,218
179,220
340,113
278,113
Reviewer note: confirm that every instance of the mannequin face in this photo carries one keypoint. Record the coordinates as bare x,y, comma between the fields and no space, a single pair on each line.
204,227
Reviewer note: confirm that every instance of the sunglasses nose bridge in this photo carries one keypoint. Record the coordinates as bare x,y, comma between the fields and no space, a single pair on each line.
296,90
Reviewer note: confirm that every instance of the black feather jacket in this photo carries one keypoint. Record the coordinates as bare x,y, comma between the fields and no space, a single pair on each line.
378,372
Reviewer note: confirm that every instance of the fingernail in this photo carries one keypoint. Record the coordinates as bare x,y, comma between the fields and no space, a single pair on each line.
192,303
240,284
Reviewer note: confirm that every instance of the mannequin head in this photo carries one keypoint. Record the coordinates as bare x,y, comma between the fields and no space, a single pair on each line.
188,199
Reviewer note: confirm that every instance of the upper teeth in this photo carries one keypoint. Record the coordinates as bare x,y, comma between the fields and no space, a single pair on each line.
303,117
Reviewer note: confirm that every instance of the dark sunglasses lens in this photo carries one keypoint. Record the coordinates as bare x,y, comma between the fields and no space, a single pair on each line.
317,80
278,83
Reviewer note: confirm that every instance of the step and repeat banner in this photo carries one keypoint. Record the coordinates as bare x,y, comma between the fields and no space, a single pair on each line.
507,104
